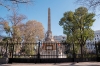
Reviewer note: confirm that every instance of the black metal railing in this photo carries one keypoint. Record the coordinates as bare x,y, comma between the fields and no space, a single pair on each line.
52,50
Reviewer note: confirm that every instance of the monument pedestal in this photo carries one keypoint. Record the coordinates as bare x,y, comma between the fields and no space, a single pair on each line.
49,50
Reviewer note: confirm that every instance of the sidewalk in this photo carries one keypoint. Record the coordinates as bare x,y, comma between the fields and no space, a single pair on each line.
52,64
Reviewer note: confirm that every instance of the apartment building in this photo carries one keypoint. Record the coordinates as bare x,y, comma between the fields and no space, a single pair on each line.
90,44
60,38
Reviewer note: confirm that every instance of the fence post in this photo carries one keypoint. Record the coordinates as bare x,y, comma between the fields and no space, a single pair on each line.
7,48
56,52
6,53
96,50
12,49
38,50
73,53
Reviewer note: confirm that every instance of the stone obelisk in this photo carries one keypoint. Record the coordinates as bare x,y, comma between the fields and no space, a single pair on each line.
49,20
49,46
49,32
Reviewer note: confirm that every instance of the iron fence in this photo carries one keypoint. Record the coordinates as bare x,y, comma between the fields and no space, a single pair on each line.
43,51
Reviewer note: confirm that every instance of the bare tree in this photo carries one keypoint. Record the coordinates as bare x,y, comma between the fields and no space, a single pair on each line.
91,4
12,3
3,26
8,3
33,31
14,28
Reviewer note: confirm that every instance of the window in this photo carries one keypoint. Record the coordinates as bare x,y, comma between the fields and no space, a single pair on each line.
86,45
97,35
63,37
95,38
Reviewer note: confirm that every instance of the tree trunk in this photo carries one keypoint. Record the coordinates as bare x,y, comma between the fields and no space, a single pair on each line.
81,51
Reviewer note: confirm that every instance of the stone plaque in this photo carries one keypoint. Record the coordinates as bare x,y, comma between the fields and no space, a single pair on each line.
49,47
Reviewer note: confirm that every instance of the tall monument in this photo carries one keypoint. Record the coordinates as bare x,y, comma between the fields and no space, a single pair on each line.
49,37
50,48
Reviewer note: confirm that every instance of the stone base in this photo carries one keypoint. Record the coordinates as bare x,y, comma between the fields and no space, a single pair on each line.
3,60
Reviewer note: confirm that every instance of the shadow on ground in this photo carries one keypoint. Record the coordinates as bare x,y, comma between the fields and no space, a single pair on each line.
74,64
4,65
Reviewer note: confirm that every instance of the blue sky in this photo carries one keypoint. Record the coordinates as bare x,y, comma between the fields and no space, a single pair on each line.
39,11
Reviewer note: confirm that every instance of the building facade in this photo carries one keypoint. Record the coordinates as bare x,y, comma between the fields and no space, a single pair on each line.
60,38
90,44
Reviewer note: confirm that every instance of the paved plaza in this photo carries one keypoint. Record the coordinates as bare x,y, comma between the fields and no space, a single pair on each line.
53,64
